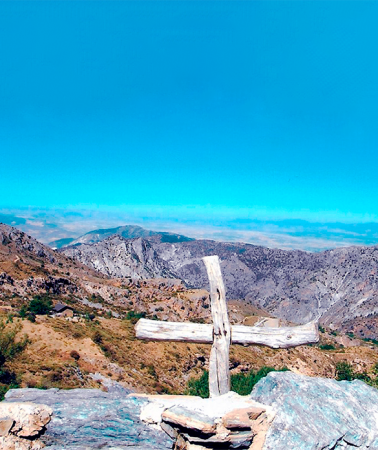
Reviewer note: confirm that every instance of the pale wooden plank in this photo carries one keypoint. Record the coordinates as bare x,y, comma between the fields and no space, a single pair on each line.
155,330
283,337
219,372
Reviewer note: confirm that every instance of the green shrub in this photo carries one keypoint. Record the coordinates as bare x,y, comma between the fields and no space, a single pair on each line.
199,386
344,371
134,316
40,305
10,347
242,383
23,312
75,355
89,317
327,347
30,316
97,337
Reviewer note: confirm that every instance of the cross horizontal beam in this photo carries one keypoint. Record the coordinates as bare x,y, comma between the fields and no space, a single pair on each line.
283,337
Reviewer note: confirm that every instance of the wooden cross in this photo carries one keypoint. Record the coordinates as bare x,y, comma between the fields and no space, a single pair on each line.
221,334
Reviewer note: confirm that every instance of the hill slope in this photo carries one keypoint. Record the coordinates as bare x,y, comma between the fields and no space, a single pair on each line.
29,268
127,232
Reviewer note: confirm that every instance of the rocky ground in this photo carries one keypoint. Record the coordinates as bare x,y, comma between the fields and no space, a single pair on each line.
284,411
29,268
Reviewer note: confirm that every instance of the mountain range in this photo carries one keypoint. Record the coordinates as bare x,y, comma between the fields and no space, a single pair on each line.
338,287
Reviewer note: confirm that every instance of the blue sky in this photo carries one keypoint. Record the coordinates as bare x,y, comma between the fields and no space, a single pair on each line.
248,109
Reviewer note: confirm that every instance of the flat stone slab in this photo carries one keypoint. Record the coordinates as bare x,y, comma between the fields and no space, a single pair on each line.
187,419
214,408
241,418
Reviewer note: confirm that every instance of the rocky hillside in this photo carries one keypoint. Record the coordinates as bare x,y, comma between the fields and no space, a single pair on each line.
339,287
119,257
29,268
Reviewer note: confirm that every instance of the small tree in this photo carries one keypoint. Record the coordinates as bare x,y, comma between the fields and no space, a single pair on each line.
40,305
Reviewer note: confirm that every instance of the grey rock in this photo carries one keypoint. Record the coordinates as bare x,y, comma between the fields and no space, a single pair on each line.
25,243
93,419
311,414
118,257
318,413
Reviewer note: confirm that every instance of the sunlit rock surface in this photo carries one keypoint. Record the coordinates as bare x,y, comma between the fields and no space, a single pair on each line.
92,419
319,413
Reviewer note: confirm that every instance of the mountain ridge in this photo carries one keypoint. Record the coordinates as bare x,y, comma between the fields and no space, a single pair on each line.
338,287
126,231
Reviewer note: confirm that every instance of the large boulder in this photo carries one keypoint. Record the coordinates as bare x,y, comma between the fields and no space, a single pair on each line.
93,419
318,413
21,424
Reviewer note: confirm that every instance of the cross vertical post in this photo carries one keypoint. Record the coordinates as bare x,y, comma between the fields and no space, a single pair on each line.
219,369
221,334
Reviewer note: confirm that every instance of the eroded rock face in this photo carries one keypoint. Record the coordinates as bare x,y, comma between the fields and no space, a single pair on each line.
318,413
21,424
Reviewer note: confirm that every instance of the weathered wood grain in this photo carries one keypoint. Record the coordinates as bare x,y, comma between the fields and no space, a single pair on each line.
155,330
219,372
283,337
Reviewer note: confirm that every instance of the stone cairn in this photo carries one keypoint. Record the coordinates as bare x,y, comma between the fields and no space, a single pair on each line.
225,422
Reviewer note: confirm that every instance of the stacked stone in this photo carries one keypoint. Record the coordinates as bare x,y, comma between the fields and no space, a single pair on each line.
195,431
227,422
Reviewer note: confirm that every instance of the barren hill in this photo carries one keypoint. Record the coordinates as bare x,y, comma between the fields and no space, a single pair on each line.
126,231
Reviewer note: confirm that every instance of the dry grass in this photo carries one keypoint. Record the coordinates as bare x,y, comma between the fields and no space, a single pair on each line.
108,346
